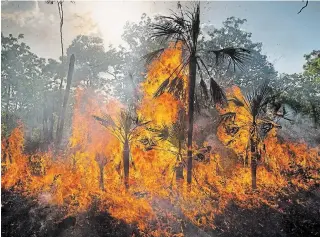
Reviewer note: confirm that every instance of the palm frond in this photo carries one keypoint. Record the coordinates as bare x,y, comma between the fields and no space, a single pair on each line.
236,101
175,87
217,94
162,88
229,116
204,89
153,55
106,121
258,97
234,56
168,30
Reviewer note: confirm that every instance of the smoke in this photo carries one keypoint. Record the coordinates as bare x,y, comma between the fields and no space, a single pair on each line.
300,129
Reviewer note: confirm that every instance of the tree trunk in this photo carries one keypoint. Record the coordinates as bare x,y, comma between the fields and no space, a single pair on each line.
65,100
192,82
179,167
101,167
254,173
51,121
61,15
7,106
126,156
254,156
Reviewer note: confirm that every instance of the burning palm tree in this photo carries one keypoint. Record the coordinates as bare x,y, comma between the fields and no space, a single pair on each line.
126,128
185,28
259,123
175,136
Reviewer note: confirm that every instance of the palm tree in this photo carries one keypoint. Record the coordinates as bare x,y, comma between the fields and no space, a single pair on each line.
126,128
175,136
257,102
184,27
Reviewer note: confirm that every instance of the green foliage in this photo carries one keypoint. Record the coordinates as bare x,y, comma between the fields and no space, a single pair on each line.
312,66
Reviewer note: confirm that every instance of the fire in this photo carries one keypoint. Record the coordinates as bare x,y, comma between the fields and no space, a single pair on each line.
90,172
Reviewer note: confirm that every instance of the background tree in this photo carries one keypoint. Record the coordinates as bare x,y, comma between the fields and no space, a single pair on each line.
231,34
22,84
303,89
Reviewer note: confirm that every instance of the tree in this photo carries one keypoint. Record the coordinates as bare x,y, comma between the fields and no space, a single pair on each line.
312,66
175,135
102,161
94,65
231,34
257,121
185,27
127,127
65,100
303,89
22,84
138,42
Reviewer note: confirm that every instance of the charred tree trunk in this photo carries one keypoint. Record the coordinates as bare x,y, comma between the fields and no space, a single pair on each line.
61,15
126,157
254,156
102,161
179,167
65,100
101,167
192,82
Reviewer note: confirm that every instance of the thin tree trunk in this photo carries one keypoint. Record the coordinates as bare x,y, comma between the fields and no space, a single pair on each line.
126,155
65,101
60,10
51,121
179,168
192,82
254,173
101,167
254,156
7,106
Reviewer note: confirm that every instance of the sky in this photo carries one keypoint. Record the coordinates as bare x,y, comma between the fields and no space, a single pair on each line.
286,36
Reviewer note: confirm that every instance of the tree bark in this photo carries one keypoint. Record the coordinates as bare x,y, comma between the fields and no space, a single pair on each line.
192,82
126,157
51,121
254,156
65,101
179,167
101,167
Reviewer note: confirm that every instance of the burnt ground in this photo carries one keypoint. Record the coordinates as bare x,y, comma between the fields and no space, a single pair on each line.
297,215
